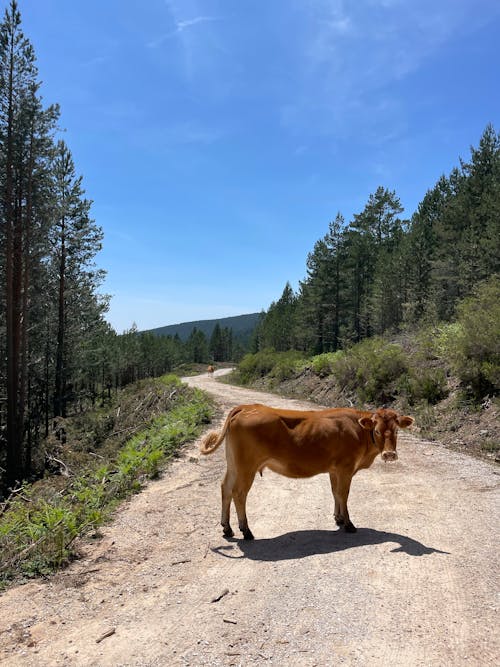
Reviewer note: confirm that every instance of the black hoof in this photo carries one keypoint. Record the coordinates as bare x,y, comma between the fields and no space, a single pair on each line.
247,534
228,532
350,528
339,520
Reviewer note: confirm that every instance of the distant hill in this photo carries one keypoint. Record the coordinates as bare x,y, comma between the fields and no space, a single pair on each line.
242,326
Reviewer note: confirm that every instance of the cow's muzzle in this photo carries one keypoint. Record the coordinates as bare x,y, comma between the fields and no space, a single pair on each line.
389,456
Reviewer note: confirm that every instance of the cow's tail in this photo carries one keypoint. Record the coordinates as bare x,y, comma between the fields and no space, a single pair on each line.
214,439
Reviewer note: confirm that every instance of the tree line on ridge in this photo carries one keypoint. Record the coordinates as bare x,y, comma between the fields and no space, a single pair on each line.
380,272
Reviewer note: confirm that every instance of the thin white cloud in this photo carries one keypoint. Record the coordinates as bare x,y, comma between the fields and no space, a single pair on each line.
97,60
181,26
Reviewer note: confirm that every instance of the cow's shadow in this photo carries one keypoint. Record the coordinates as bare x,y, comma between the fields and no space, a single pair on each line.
305,543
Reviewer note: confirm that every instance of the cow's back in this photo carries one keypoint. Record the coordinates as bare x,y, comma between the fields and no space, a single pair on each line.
295,443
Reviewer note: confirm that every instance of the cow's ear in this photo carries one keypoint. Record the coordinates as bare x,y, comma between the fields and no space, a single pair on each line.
366,423
404,422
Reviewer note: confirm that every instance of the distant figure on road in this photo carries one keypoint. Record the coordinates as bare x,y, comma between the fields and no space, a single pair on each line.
211,370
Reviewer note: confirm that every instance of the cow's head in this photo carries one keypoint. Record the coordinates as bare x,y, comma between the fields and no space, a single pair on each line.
383,425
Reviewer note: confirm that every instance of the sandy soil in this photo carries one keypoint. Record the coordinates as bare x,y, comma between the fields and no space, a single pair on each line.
416,585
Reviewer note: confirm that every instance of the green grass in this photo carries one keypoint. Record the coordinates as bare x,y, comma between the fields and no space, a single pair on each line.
38,528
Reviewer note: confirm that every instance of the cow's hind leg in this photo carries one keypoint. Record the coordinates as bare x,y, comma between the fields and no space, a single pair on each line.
240,491
227,494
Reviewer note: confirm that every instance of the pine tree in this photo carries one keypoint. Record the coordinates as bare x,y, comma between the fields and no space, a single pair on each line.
320,306
480,198
458,226
197,347
421,251
227,344
24,138
336,294
379,219
216,345
277,329
75,240
375,236
360,266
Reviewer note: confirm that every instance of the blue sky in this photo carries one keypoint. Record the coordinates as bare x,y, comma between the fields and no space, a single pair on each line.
217,139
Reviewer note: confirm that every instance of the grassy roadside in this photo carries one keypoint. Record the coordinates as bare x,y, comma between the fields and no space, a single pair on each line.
102,465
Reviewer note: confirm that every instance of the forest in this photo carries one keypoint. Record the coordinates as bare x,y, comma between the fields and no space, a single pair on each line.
374,274
58,353
380,272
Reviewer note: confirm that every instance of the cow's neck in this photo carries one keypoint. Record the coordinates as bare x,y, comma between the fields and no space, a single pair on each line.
370,453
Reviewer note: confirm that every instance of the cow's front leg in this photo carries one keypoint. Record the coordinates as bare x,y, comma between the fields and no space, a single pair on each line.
342,487
339,519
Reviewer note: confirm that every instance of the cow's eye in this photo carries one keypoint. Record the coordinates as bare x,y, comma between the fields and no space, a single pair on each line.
377,432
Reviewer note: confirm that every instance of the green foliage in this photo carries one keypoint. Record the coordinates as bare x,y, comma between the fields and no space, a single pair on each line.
324,364
38,528
435,341
474,347
35,536
277,365
287,365
276,331
221,343
170,380
372,369
254,366
424,384
446,336
377,371
197,347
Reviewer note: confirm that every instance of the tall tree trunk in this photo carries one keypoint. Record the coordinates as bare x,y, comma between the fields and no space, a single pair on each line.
14,467
46,392
25,305
59,403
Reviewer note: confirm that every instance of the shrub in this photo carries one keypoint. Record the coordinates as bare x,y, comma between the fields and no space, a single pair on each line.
323,364
428,384
372,369
434,342
170,380
474,348
287,365
254,366
277,365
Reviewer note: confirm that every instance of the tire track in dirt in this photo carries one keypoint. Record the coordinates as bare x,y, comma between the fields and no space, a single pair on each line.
415,586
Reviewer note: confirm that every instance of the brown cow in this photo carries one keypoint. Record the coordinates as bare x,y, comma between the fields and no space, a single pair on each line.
211,370
298,443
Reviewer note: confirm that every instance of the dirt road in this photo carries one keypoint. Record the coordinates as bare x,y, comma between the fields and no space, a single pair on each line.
416,585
